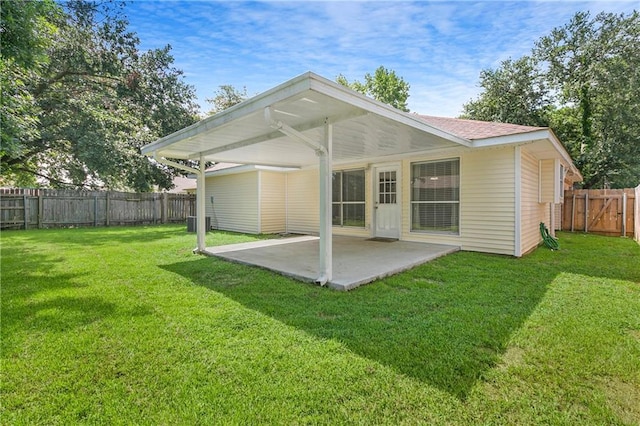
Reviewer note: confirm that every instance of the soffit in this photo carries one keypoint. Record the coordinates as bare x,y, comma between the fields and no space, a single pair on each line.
362,128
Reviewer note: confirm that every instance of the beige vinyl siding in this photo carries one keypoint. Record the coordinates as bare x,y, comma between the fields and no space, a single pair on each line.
235,202
532,211
273,213
547,180
487,202
303,201
557,217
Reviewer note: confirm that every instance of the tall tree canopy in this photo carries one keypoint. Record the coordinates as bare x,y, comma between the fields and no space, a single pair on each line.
384,85
225,97
79,98
582,80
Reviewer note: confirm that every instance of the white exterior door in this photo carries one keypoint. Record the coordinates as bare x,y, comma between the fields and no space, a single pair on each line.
387,204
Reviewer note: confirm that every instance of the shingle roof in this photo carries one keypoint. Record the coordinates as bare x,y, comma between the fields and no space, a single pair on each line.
473,129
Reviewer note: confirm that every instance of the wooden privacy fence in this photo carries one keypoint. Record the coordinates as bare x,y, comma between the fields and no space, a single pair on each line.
46,208
602,211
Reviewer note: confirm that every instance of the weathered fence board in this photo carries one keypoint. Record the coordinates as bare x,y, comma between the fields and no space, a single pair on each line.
600,211
636,214
38,208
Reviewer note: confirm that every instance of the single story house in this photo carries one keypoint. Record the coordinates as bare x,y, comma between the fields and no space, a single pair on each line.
311,156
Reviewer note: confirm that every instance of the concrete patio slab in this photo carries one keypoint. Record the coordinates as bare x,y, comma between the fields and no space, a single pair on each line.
356,261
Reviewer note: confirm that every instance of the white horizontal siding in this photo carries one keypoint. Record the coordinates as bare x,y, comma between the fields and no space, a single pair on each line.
532,211
487,202
303,201
235,202
272,202
547,181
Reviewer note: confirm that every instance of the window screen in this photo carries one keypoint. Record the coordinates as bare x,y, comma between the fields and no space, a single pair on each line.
435,196
348,198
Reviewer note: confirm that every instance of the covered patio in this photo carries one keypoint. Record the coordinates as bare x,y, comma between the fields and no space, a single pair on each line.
356,261
306,122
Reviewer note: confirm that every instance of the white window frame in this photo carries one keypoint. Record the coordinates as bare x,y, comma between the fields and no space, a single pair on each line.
342,203
413,202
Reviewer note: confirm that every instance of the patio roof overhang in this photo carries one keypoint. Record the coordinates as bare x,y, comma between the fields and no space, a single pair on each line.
306,121
362,128
311,121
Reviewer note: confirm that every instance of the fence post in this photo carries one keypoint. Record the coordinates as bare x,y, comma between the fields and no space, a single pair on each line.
155,209
95,211
25,211
586,212
624,214
107,208
40,210
165,207
573,210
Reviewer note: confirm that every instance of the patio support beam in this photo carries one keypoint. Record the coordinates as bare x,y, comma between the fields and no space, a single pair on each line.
324,150
200,205
326,237
174,164
292,133
200,196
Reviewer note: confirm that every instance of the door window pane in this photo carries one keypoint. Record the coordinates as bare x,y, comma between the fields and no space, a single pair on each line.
387,187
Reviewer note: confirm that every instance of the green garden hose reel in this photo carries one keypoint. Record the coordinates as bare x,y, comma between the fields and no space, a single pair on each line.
548,240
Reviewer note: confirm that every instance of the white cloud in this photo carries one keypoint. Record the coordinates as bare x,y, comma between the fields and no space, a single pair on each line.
438,47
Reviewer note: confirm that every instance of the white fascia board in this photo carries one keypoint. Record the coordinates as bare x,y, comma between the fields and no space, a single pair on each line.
244,168
244,108
276,169
518,138
528,137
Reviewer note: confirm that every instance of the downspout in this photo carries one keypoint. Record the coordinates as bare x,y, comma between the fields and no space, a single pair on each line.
200,196
326,226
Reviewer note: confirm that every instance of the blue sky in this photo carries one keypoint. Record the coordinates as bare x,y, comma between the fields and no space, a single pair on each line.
438,47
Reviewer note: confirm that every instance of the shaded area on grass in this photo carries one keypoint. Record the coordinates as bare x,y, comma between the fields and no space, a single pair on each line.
146,331
445,323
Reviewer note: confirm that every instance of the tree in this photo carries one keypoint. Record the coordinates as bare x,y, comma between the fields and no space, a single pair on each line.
582,80
513,93
384,86
95,100
225,97
594,66
26,29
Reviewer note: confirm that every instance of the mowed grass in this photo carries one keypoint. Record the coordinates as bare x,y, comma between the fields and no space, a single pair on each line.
127,326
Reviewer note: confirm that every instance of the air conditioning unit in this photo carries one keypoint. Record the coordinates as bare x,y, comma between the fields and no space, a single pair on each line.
192,223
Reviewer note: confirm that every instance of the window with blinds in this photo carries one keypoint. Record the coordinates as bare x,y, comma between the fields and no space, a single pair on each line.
348,198
435,196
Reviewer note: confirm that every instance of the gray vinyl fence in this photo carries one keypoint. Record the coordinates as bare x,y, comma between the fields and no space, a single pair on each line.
47,208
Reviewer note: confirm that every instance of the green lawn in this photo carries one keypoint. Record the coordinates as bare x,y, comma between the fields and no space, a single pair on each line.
127,326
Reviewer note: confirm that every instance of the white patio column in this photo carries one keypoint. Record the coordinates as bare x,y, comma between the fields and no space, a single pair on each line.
326,236
200,207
